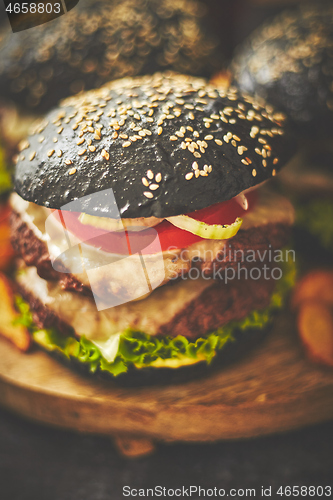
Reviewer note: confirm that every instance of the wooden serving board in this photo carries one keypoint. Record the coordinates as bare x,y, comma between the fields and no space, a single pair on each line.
275,388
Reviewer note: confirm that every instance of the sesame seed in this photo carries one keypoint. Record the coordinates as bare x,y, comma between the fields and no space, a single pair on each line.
32,156
159,130
234,143
275,161
209,137
60,130
254,172
150,174
59,153
81,152
241,150
218,142
205,168
191,116
195,165
158,177
197,173
50,153
273,172
189,176
126,144
81,141
97,137
196,154
203,173
142,133
105,154
55,139
68,162
41,138
153,187
254,131
92,148
264,163
148,194
196,134
23,145
123,136
145,182
189,128
173,138
72,171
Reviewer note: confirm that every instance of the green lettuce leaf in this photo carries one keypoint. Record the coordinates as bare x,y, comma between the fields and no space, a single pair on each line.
316,218
5,177
141,350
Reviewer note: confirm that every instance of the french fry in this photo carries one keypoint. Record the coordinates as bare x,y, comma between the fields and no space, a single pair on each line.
16,333
317,285
315,326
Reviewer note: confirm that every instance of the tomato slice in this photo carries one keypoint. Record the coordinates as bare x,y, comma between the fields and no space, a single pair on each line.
170,237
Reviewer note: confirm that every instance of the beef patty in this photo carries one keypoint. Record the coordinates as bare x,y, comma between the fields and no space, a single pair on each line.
190,308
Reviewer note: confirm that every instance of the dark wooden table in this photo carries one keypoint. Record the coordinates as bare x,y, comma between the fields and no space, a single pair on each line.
39,463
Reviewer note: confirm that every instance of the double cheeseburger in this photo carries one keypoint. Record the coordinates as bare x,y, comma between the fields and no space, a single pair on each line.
186,163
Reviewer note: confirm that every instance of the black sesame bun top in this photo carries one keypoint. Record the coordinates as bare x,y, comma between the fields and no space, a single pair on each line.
166,144
103,40
289,62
